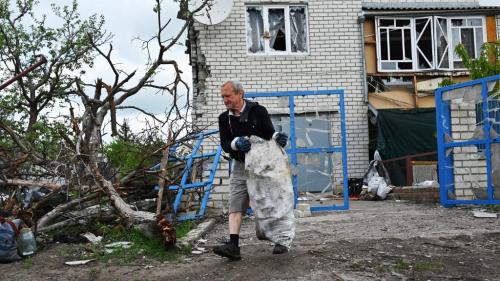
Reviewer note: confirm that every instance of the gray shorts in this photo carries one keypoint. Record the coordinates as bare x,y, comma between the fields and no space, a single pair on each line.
238,197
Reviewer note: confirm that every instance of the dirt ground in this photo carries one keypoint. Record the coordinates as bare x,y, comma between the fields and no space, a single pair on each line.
385,240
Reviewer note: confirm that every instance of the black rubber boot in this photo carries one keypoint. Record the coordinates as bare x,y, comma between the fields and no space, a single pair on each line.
228,250
279,249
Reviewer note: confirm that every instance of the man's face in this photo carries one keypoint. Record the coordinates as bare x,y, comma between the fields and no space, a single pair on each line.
231,99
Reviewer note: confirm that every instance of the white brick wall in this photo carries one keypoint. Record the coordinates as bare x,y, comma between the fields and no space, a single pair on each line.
469,167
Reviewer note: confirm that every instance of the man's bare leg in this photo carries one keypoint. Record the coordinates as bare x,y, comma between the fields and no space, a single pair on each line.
235,220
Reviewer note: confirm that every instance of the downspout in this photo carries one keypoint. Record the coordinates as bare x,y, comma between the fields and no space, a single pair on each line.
361,21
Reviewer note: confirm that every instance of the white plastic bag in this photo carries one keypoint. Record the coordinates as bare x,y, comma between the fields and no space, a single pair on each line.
374,183
383,189
271,191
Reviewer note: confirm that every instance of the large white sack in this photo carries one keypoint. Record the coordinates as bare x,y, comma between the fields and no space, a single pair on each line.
271,191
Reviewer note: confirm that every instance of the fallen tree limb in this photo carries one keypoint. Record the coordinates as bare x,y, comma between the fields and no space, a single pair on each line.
130,216
57,211
30,183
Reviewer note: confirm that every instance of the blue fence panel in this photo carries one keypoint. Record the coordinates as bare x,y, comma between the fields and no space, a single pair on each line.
293,150
469,152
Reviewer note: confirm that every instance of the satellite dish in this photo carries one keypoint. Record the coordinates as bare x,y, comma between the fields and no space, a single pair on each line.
214,12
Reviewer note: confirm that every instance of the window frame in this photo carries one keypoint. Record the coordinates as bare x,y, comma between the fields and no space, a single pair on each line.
265,17
379,48
476,48
434,32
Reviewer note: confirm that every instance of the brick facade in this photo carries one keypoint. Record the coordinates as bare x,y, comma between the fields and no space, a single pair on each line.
334,61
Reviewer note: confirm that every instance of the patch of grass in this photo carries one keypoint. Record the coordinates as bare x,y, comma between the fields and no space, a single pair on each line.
493,208
183,228
141,248
430,266
27,263
403,265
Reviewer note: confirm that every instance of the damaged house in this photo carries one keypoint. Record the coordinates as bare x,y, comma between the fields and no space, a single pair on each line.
387,57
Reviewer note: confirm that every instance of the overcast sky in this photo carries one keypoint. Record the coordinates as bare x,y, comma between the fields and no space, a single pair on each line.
128,19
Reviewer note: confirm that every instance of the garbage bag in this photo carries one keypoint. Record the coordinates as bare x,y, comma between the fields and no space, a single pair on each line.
270,189
8,240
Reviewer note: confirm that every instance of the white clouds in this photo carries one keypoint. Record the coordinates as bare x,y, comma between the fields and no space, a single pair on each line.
129,19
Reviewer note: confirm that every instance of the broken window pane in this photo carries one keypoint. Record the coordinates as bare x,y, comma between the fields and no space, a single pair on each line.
383,44
425,56
255,30
442,43
386,22
396,44
457,22
407,43
298,29
277,31
405,65
403,23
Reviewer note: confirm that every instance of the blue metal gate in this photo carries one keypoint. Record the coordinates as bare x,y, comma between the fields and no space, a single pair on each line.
294,150
469,142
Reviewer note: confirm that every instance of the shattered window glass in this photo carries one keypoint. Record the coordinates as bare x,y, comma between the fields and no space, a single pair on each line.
442,43
298,29
424,43
396,44
277,31
255,30
423,29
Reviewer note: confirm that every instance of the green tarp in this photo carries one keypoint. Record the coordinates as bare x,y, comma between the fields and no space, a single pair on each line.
402,133
406,132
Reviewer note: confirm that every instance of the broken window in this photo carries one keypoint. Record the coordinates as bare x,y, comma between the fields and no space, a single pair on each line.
423,37
469,32
442,48
255,30
298,29
396,51
277,29
425,43
277,41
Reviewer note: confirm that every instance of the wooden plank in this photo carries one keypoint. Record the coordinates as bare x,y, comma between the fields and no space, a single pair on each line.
163,173
370,46
491,29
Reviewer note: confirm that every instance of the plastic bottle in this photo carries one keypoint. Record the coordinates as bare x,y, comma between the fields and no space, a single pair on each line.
26,242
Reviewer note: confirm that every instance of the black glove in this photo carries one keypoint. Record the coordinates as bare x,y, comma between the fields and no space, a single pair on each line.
281,139
243,144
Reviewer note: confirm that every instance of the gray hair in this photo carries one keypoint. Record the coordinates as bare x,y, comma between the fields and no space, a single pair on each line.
237,86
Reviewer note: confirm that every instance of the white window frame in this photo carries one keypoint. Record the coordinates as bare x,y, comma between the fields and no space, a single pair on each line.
483,26
430,21
434,32
265,17
379,49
